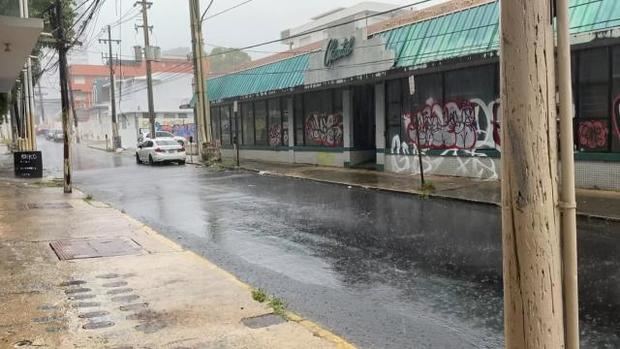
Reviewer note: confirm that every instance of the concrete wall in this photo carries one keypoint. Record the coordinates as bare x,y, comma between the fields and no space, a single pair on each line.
588,174
334,159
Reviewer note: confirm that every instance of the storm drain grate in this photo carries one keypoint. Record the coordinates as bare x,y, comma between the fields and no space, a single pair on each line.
263,321
94,248
48,205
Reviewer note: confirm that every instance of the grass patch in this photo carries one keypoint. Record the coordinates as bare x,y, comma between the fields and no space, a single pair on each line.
259,295
427,189
88,198
278,305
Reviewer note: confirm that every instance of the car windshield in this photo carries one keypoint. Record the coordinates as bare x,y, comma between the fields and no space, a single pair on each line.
166,142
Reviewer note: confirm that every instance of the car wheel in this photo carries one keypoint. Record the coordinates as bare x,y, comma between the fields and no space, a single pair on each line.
138,161
151,162
182,162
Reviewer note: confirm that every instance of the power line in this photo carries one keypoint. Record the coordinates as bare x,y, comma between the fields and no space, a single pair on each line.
322,28
226,10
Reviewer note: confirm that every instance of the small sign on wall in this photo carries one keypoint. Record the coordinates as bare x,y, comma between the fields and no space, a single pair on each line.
412,85
28,164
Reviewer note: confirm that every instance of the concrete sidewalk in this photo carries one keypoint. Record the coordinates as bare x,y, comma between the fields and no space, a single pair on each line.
76,273
590,203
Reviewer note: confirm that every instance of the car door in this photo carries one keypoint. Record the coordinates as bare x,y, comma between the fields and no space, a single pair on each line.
146,149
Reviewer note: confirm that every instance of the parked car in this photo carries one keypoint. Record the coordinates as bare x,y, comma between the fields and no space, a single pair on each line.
161,134
55,135
160,150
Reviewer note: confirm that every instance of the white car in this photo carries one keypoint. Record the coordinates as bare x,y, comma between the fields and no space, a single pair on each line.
160,150
161,134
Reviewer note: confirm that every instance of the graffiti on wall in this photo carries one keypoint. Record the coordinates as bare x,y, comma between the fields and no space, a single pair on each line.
324,129
180,130
275,134
593,134
461,125
459,129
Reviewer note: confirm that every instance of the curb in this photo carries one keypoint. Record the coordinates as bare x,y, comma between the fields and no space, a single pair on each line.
388,190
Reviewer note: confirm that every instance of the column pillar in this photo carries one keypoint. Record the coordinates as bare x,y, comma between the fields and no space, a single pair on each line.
347,125
380,124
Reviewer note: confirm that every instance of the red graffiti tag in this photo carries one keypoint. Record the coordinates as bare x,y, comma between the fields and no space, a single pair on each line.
593,134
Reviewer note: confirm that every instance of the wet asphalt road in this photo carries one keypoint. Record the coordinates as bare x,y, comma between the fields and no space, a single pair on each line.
383,270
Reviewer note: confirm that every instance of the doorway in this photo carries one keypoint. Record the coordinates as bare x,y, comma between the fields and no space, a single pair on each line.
364,154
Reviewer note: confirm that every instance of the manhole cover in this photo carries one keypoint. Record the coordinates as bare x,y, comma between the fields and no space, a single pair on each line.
94,248
48,205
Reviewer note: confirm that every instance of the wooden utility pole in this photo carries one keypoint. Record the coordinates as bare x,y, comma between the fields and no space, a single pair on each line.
533,299
116,140
148,53
61,46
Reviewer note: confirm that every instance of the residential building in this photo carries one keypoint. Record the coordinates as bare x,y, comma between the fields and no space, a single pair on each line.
348,101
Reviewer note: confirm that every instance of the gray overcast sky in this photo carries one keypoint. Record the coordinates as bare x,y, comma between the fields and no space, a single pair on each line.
257,21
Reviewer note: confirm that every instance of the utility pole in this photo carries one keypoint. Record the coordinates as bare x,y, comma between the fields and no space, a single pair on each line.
568,203
41,103
116,139
533,298
28,110
61,46
148,52
201,110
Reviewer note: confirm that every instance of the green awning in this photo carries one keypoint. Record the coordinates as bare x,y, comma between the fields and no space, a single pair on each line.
476,31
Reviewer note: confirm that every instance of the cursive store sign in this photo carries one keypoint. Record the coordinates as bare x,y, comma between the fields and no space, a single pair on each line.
337,50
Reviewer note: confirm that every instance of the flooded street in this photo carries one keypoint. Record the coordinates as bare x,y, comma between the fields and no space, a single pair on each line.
383,270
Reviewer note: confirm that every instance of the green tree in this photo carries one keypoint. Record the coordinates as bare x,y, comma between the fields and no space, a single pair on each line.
41,9
222,59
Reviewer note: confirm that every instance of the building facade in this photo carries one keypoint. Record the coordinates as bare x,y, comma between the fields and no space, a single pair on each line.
349,102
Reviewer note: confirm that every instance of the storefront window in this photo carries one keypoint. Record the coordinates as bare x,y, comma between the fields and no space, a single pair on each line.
275,122
225,120
394,112
285,116
260,117
615,113
593,117
247,118
323,122
299,119
216,124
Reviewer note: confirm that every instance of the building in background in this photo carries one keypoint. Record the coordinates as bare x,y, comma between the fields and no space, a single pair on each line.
312,32
172,90
346,100
84,76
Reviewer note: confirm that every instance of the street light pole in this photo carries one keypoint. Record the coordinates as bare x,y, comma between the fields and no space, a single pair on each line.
532,268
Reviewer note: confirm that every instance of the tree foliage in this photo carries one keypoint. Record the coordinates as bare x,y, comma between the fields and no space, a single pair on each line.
222,59
41,9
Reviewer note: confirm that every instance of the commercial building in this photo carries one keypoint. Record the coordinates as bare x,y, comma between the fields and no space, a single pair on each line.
346,100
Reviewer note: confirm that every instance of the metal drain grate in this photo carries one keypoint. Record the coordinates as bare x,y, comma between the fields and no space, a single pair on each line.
94,248
48,205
